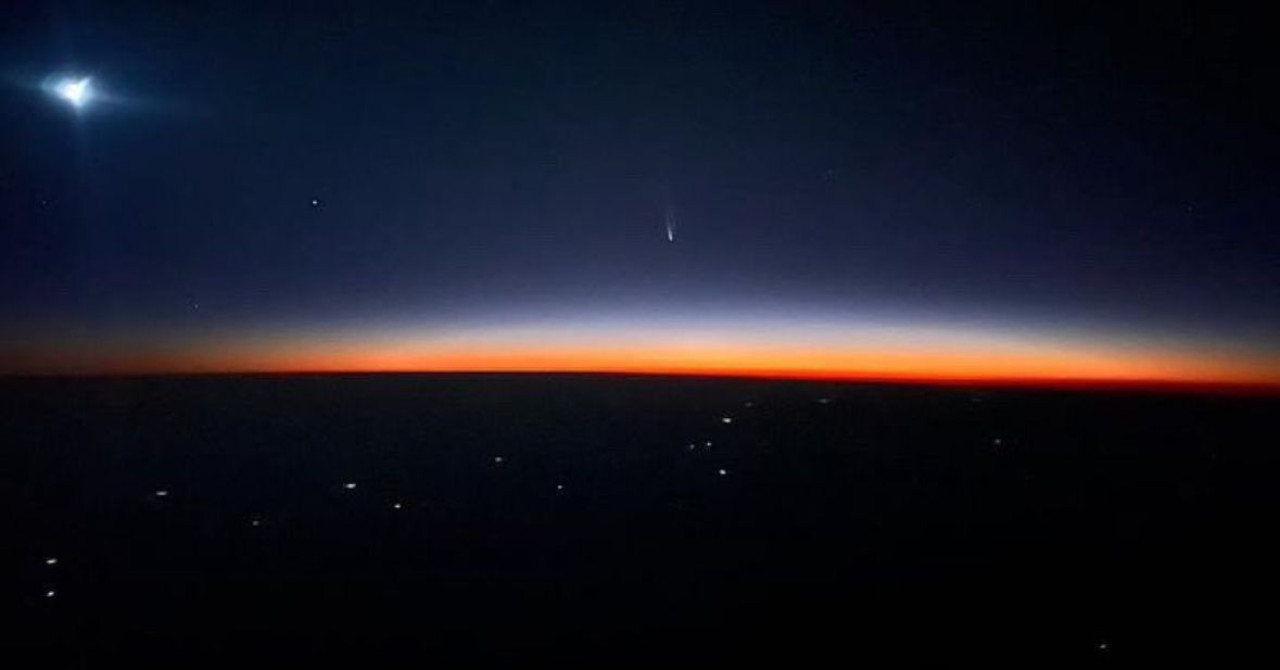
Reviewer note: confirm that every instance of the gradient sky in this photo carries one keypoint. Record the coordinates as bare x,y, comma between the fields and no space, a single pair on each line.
882,190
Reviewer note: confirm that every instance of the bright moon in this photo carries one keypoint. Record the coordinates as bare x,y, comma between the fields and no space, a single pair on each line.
75,91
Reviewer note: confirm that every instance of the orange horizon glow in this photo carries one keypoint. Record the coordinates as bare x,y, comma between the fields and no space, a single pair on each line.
1038,365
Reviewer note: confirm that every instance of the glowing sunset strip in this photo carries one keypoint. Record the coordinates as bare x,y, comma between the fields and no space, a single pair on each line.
903,354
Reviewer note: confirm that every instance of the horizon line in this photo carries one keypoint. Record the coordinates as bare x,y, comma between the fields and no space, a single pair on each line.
1251,388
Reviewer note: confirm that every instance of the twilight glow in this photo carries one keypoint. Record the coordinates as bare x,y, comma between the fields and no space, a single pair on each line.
828,349
656,191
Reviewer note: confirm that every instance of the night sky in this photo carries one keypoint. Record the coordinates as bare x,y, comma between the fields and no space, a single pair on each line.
901,190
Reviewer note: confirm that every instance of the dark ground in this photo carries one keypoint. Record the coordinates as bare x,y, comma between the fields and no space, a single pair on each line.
885,524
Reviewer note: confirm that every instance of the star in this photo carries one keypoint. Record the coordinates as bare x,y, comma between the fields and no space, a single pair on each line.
75,91
726,419
162,493
722,472
350,486
51,561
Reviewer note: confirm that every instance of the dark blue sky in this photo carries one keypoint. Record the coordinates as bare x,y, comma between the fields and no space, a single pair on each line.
1071,165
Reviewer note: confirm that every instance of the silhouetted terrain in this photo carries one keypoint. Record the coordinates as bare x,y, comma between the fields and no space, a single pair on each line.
529,517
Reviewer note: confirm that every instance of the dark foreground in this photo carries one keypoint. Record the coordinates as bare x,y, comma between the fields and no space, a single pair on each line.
200,520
